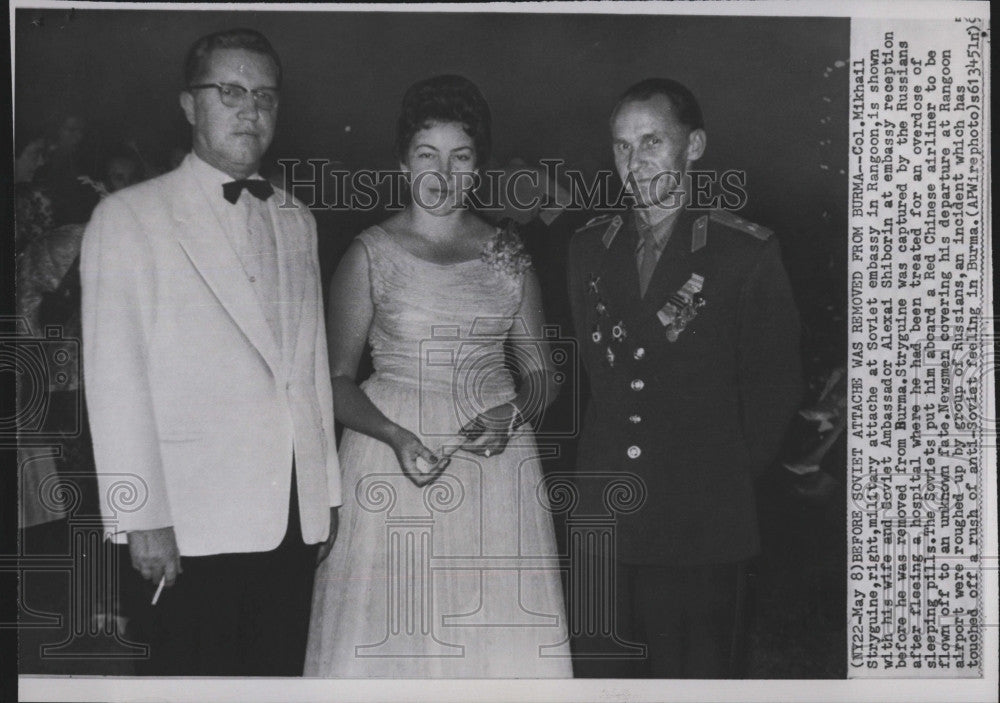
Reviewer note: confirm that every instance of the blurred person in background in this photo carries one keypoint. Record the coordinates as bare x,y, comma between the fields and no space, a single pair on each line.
60,177
33,207
123,167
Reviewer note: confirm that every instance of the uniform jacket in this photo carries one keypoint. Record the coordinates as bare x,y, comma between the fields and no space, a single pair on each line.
692,401
195,409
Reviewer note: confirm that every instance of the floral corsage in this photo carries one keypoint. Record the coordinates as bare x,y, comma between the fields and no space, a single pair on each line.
505,253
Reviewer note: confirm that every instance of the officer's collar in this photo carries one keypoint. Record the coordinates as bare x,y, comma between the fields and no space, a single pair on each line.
661,231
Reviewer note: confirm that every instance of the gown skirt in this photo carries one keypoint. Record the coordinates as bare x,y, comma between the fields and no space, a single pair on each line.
460,578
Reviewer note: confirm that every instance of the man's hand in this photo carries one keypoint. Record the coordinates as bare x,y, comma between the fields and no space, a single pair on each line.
324,549
154,554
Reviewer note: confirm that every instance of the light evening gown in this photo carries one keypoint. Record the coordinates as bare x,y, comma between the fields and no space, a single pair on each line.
458,578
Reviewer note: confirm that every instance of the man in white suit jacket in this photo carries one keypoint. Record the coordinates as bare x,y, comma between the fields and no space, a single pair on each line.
208,385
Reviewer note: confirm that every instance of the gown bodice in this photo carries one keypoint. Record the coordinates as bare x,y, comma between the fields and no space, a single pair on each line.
439,327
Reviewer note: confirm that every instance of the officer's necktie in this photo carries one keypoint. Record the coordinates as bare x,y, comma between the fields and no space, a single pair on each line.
255,186
649,259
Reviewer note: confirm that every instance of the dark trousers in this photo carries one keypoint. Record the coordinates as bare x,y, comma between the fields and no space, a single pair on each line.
689,618
227,614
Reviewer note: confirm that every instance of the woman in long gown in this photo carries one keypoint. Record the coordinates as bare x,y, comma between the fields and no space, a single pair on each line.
445,564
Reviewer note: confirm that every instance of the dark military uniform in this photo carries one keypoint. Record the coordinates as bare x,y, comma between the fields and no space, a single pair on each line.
692,384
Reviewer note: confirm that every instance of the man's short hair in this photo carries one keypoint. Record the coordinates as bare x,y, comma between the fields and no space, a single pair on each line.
247,39
684,102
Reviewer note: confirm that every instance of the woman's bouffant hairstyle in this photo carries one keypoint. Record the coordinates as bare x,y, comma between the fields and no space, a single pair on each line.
445,99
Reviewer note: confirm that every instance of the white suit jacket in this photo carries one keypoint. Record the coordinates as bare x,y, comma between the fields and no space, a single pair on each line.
195,410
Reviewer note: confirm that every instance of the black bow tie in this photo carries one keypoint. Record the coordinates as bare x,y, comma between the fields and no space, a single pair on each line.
256,187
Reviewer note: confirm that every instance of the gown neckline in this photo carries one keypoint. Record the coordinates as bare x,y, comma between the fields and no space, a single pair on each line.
389,236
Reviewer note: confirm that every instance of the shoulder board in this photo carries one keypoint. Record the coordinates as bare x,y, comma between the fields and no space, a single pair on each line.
724,217
609,224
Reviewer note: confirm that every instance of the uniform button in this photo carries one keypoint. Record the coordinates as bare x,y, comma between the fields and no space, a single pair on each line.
638,384
635,419
639,353
634,452
253,279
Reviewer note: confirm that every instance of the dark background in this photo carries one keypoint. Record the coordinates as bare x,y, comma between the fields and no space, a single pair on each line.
774,95
769,87
773,91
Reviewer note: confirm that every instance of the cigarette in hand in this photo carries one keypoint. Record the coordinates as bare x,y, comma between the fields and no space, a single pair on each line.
159,589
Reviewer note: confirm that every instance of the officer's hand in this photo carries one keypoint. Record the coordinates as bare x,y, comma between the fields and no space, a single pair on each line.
155,555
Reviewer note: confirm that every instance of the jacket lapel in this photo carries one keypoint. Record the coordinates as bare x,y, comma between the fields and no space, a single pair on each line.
204,240
291,236
619,274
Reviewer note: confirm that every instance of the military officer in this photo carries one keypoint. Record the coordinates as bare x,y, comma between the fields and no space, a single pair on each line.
690,338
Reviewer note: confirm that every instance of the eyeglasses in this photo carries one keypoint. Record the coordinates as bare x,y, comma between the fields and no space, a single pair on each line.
233,95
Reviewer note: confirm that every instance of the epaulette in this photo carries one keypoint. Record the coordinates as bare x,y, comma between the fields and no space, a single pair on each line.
728,219
610,223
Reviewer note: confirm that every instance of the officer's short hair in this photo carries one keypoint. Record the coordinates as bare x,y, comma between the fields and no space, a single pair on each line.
247,39
683,100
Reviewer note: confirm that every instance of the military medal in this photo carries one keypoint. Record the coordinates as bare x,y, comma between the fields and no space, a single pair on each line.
618,331
682,307
601,308
596,335
592,285
609,356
